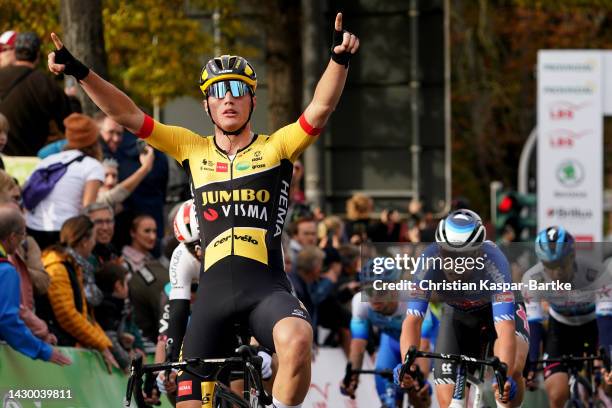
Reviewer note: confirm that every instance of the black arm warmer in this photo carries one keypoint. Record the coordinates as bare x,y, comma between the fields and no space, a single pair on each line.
536,335
179,316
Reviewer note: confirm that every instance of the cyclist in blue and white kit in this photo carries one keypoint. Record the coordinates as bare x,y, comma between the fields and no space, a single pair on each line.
470,319
578,319
386,313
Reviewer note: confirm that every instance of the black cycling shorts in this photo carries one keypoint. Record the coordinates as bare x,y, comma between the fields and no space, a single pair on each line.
562,339
235,291
470,334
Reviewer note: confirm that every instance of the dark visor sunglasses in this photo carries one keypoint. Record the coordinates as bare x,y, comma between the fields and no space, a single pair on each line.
220,89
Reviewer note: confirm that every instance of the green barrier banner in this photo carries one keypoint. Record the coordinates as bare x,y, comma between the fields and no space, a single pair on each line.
20,167
86,383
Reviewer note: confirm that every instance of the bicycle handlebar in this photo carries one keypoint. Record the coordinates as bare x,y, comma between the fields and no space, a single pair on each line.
500,369
576,359
138,369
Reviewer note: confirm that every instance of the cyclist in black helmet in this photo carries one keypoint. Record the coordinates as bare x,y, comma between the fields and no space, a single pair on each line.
241,182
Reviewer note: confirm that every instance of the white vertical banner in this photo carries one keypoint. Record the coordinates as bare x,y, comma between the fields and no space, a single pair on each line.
570,142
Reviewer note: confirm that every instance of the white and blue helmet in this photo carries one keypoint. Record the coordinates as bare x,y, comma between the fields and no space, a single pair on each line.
461,230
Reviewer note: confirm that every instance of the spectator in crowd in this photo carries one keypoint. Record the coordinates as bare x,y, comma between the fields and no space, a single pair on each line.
114,193
4,129
29,251
66,309
331,232
149,197
358,213
149,276
30,99
77,188
324,293
348,283
111,133
12,328
296,192
303,233
102,216
307,270
388,228
7,48
114,314
8,190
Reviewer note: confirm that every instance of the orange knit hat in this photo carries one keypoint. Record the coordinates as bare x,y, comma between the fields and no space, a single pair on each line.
81,131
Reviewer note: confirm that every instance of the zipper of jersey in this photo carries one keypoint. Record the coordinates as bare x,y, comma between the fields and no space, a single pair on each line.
232,179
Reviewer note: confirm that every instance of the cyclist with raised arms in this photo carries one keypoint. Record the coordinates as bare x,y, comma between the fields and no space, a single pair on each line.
384,311
241,182
578,319
471,319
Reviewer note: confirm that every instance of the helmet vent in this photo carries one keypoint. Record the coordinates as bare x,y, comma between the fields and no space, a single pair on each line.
218,63
232,62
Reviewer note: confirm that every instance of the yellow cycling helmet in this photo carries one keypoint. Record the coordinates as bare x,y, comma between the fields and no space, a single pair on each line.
227,67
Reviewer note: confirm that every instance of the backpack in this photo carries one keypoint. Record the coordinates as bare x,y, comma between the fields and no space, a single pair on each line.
42,181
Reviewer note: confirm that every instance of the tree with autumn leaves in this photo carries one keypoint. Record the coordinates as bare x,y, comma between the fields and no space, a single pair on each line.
494,58
153,51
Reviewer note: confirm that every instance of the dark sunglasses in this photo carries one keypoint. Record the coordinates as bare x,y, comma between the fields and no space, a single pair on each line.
236,88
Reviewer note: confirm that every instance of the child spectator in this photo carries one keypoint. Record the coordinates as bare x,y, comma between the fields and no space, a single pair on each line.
114,314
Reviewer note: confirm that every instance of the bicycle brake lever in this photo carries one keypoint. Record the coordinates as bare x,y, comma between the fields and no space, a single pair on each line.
501,375
348,372
408,361
135,372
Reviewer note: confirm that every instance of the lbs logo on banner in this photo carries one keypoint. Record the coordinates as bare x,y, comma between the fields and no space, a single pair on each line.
570,141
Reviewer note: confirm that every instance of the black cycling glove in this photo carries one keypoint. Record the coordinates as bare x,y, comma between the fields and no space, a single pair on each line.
344,57
74,67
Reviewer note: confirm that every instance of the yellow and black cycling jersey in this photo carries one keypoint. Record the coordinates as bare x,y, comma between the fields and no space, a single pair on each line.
242,202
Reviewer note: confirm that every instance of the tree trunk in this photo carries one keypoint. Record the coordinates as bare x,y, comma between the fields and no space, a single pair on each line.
83,34
283,62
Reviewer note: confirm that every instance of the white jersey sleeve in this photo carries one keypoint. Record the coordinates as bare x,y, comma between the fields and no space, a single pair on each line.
184,269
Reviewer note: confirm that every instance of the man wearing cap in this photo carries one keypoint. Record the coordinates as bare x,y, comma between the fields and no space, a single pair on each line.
29,99
77,188
7,48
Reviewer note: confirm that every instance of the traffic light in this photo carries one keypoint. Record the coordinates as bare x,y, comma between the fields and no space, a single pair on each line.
517,211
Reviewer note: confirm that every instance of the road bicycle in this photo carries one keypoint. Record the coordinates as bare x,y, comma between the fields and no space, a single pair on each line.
588,381
462,377
245,363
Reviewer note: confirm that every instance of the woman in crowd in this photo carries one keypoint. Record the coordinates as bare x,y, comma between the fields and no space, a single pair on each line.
148,276
66,309
77,188
114,192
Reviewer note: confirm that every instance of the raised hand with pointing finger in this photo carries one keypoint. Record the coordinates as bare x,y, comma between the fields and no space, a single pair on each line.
62,61
344,43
